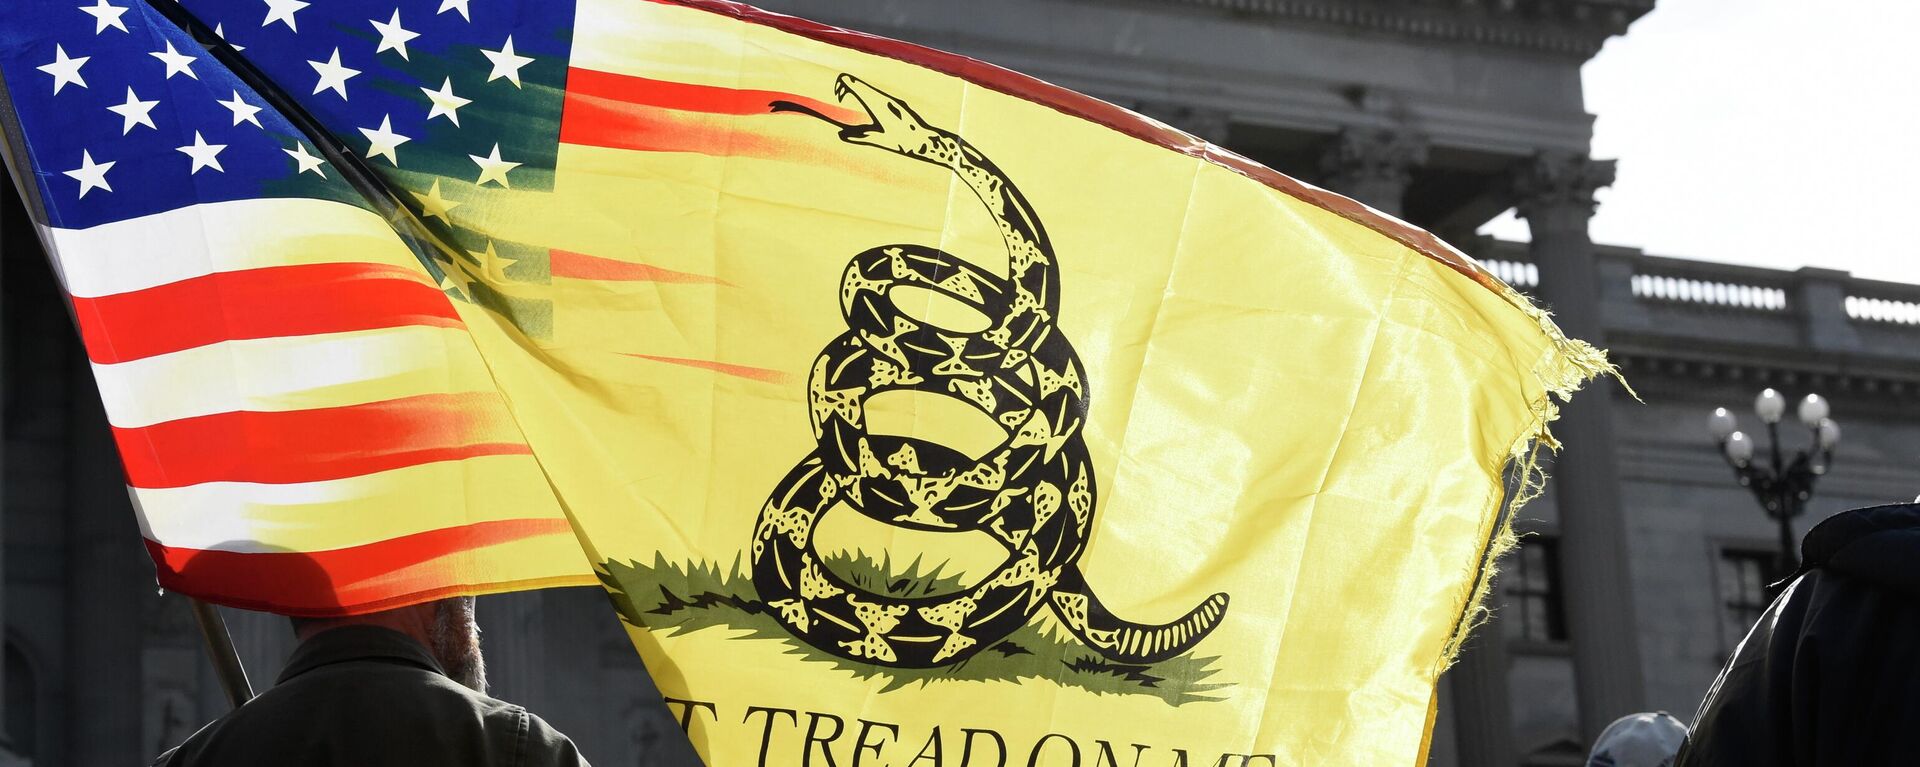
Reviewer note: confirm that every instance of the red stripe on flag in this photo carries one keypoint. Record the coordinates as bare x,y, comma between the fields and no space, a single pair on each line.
580,266
764,375
319,444
357,579
622,112
689,97
594,121
300,300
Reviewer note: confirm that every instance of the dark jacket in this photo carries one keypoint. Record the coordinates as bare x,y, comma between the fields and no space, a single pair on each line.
369,697
1830,676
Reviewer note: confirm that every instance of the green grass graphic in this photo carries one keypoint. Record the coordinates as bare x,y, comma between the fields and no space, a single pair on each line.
674,597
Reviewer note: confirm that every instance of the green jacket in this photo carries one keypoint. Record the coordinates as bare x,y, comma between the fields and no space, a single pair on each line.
370,697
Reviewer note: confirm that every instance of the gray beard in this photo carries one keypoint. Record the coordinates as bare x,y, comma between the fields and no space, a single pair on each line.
455,638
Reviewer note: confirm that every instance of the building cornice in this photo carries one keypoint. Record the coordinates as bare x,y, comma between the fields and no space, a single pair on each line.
1893,383
1562,27
1669,319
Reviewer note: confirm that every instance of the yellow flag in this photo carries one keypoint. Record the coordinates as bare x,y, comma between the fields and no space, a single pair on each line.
912,412
919,413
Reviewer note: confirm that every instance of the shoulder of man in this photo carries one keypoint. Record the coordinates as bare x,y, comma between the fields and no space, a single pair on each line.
1745,719
536,743
510,732
351,690
1797,689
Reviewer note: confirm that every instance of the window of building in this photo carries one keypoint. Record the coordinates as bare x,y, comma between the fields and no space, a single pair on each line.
1534,611
1744,575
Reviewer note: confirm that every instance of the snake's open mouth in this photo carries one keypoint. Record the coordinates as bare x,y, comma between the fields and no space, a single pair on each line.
843,90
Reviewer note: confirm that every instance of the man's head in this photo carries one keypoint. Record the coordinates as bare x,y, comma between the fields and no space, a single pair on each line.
446,627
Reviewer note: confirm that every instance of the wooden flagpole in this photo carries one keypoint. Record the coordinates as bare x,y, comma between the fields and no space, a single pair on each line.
226,662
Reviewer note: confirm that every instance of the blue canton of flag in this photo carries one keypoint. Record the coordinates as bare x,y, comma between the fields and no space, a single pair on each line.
130,116
432,95
419,88
428,95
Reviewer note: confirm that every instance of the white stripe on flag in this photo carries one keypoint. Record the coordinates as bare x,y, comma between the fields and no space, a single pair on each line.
165,248
339,513
291,373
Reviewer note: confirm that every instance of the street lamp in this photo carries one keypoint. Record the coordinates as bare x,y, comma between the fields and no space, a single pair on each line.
1782,486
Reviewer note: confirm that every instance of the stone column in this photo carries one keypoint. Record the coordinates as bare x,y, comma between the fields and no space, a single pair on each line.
1374,165
1555,194
1483,722
1443,750
1477,688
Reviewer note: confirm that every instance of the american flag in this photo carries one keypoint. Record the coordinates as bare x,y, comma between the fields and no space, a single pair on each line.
305,424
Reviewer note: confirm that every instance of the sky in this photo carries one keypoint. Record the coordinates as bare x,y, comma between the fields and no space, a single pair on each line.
1776,133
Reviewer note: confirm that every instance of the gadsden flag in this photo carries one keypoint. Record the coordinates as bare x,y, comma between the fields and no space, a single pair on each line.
911,411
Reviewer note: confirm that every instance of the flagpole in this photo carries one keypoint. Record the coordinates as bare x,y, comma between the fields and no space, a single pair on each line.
226,662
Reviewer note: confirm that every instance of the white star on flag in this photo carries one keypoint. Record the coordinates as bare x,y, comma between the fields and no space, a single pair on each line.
333,76
65,70
506,63
134,112
177,63
204,155
306,161
283,10
457,5
384,141
243,112
393,37
104,16
444,102
220,32
492,168
90,174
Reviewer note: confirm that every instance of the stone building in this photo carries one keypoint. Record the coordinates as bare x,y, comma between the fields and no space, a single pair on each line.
1646,559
